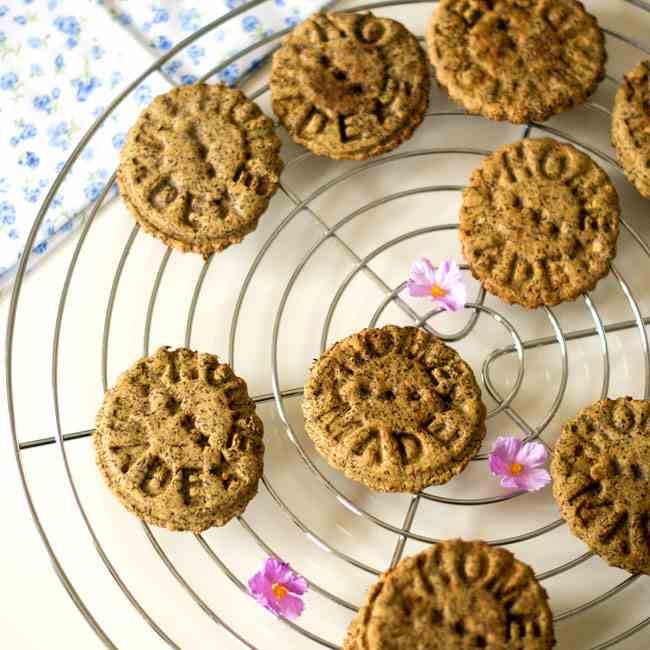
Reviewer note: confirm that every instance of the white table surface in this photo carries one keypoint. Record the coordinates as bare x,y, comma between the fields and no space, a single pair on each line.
37,613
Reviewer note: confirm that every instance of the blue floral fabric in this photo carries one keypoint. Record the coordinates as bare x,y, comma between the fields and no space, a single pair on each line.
60,68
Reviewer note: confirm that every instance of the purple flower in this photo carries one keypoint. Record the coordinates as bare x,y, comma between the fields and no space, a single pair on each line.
520,465
442,285
274,587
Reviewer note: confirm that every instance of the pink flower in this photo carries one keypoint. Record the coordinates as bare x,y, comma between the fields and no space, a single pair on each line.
442,285
520,465
274,587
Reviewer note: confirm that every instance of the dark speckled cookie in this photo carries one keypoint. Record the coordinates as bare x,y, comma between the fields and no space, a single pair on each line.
395,409
178,441
350,86
455,595
539,223
199,167
516,60
601,480
631,126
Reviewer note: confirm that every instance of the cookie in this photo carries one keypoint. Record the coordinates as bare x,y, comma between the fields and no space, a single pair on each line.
516,60
350,86
178,442
631,127
601,480
199,167
395,409
539,223
455,595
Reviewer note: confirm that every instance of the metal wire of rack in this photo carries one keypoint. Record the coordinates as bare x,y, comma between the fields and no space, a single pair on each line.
361,264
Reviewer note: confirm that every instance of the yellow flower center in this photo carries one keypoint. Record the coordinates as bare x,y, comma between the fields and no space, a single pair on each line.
279,590
437,291
516,468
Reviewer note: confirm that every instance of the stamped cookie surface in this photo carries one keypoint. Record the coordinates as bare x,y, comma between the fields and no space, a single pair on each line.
350,86
631,126
452,596
178,442
601,480
199,167
539,223
395,409
516,60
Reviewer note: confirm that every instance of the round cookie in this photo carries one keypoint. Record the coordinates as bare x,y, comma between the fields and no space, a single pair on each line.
350,86
516,60
631,127
601,480
199,167
395,409
178,442
452,596
539,223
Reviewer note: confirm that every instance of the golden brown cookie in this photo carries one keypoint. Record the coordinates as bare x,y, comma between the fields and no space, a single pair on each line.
395,409
539,223
178,442
350,86
631,127
601,480
199,167
455,595
516,60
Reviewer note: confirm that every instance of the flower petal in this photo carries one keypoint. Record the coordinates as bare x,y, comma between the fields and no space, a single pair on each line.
291,606
275,570
448,274
443,271
454,300
296,584
422,272
532,454
261,587
511,482
418,290
507,448
498,465
533,479
259,584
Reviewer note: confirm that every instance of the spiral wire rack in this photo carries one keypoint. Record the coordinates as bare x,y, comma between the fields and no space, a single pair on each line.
504,403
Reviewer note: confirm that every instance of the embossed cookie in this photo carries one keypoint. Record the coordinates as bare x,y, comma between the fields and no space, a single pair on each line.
395,409
178,442
350,86
199,167
601,480
516,60
455,595
631,127
539,223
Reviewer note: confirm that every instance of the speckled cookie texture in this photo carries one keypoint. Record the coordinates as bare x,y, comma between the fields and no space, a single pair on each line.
631,127
601,480
516,60
455,595
178,442
539,223
199,167
395,409
350,86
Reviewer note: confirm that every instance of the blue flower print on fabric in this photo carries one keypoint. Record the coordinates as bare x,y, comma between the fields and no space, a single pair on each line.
7,213
29,159
8,81
68,25
84,88
143,94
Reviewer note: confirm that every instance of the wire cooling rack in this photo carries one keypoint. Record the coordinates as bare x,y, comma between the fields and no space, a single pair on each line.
614,347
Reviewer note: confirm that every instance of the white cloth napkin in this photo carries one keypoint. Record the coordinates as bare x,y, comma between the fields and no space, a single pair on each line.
61,64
